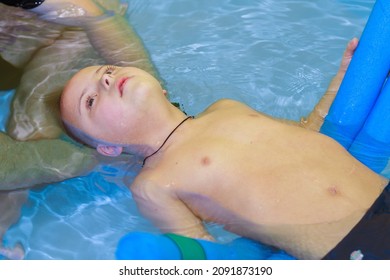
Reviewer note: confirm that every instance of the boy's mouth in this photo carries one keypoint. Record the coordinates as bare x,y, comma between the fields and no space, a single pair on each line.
121,84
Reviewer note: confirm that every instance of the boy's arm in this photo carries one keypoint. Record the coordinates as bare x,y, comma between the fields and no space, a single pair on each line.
320,111
168,212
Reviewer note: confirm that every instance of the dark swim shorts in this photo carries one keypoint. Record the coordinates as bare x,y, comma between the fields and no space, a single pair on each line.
25,4
370,238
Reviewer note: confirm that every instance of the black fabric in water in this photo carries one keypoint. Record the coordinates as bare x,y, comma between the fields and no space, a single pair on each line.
25,4
370,238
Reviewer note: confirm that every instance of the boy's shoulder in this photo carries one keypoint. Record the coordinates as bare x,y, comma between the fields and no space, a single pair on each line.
226,104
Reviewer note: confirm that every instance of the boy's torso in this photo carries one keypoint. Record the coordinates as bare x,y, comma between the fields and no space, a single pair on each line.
267,180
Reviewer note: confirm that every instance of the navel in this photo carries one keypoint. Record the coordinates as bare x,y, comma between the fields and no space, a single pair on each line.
333,191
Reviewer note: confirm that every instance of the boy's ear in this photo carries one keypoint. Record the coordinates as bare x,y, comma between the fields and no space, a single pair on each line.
110,151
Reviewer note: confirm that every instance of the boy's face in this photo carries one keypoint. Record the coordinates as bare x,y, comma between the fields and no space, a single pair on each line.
107,102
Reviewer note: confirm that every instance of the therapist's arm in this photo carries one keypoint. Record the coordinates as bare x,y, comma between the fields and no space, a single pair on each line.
25,164
109,32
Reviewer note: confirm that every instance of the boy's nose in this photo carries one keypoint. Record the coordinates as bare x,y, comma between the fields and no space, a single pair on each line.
107,81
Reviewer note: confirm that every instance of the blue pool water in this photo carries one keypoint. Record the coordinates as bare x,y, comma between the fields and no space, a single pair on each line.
276,55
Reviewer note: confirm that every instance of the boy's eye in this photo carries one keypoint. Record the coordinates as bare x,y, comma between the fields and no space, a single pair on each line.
90,100
109,69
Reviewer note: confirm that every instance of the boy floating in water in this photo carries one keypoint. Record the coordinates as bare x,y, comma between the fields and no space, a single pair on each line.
266,179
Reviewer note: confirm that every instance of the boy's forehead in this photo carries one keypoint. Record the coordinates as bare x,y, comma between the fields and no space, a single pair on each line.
80,79
84,73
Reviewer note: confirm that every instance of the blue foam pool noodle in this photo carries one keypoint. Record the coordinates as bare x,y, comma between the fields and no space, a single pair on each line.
372,145
363,80
147,246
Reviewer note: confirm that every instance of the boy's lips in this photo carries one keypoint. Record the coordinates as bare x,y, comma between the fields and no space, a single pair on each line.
121,84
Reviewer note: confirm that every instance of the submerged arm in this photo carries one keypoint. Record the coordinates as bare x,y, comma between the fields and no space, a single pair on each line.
118,43
320,111
27,164
110,33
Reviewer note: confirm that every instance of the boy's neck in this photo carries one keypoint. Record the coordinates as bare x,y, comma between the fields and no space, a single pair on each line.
166,130
166,139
